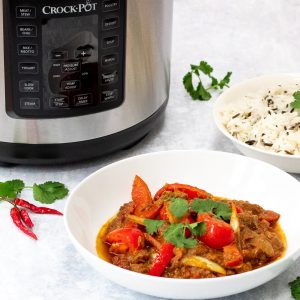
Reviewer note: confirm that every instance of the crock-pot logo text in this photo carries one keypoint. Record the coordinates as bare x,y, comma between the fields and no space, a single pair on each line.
69,9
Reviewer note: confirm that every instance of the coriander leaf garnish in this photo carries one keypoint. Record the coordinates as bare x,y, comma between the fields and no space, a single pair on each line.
179,207
153,225
200,92
198,228
175,234
220,209
49,191
296,103
11,189
295,288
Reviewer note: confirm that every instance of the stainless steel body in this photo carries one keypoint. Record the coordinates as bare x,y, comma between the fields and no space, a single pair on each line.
148,44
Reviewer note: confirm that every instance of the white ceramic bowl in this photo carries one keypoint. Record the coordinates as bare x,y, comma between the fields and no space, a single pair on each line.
236,93
99,197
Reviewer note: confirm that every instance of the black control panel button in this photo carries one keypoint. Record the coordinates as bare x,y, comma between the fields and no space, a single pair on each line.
26,31
84,99
59,102
29,86
58,55
83,53
25,12
109,78
70,85
109,60
110,23
110,42
30,103
28,68
108,96
28,50
110,5
70,67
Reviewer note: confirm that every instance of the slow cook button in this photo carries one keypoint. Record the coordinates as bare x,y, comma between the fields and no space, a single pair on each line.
26,31
109,78
30,103
59,102
28,50
110,23
110,59
70,67
110,42
70,85
25,12
28,68
84,99
108,96
29,86
110,5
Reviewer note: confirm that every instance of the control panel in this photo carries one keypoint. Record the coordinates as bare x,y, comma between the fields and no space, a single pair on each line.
63,58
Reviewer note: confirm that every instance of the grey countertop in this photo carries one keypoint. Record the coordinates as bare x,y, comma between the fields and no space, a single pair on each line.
250,38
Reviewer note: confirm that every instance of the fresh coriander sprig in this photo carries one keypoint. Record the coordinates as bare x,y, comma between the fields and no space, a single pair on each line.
201,92
295,288
46,193
296,103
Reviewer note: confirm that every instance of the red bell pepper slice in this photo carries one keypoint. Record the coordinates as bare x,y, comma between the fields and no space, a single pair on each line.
232,256
218,233
133,238
270,216
162,259
191,191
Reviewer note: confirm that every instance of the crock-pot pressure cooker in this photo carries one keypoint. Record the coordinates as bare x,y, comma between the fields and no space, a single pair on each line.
81,78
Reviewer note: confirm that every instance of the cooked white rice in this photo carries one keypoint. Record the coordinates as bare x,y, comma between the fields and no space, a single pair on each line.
266,120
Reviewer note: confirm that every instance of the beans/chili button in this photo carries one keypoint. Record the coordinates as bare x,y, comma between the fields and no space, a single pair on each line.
26,31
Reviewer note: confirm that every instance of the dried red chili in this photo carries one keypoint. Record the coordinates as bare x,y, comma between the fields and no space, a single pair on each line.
16,217
37,209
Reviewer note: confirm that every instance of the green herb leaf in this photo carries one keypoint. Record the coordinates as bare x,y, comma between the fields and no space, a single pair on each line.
295,288
198,228
220,209
49,191
201,92
225,81
205,68
175,234
153,225
179,207
11,189
296,103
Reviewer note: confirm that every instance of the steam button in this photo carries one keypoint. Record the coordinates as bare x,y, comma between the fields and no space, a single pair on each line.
25,12
30,103
26,31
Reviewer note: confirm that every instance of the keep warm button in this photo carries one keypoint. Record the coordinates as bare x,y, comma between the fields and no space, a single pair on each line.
84,99
70,85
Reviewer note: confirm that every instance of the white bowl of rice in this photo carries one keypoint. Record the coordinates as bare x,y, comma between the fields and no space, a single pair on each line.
257,116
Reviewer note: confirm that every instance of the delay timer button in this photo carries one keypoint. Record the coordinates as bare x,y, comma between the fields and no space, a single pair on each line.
25,12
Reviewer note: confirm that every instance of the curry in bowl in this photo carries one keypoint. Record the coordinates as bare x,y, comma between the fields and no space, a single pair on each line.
186,232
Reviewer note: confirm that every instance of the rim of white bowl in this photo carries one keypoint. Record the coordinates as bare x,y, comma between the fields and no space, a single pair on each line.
232,138
292,256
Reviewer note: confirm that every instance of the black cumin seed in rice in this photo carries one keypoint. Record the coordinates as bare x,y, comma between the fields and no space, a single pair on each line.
285,128
250,142
288,152
292,110
235,116
269,112
287,106
283,112
268,144
263,134
285,92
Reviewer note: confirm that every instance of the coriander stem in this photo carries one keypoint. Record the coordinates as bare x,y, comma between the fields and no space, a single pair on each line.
28,187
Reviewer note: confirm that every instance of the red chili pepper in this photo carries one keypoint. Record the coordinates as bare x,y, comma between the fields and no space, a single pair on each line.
191,191
26,218
37,209
16,217
162,259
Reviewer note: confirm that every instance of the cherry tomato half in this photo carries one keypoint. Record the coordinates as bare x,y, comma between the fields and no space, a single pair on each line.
218,233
